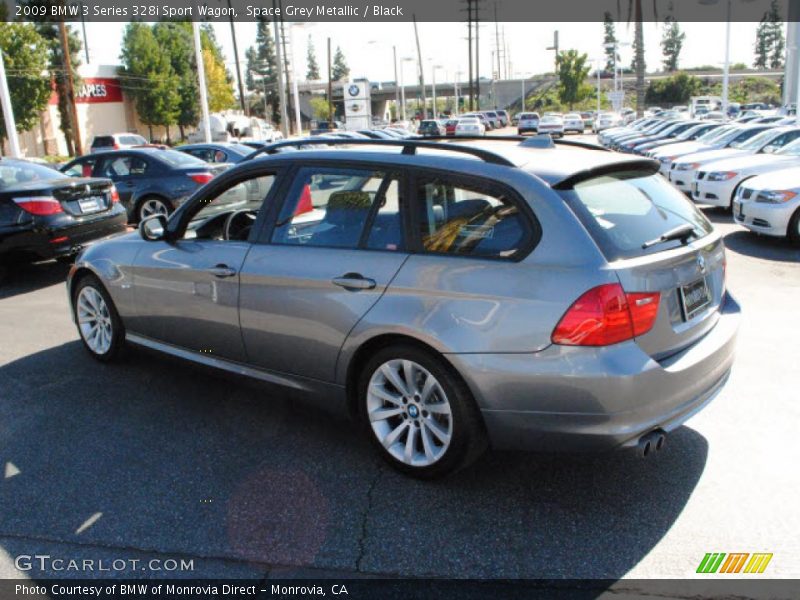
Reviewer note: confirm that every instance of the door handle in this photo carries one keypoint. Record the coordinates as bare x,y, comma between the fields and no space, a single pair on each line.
221,271
354,281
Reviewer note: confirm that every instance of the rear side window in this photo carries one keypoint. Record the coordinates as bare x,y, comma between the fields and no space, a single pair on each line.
469,220
625,210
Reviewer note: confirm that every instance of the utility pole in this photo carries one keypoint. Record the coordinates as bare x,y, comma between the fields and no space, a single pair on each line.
8,112
201,76
477,55
281,80
85,39
554,48
76,127
497,41
242,100
330,86
421,71
469,38
396,83
286,67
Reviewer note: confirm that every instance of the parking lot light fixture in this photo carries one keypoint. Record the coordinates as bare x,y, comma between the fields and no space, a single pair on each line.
726,65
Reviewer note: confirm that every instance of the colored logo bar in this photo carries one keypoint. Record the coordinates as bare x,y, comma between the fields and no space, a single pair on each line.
736,562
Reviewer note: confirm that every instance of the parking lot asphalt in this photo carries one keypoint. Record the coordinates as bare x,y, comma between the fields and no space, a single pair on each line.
155,458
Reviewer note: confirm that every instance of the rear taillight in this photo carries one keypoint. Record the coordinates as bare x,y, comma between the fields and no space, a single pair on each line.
115,146
114,194
607,315
39,205
201,178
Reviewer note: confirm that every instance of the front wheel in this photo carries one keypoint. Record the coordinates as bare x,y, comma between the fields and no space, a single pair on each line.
418,413
99,324
793,232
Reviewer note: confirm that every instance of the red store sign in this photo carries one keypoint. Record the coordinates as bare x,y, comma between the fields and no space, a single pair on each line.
94,90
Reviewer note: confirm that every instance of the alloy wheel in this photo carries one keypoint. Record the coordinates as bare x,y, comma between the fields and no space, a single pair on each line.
409,412
153,207
94,320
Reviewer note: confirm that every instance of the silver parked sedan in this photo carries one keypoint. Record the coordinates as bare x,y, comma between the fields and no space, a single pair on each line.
523,294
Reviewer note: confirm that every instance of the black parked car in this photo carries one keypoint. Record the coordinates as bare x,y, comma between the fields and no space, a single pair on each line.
430,127
149,180
44,214
219,152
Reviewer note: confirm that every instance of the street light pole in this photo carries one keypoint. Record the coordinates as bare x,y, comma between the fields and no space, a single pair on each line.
8,111
727,66
201,77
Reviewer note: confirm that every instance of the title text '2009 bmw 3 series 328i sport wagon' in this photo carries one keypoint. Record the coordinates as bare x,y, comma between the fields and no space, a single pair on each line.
516,292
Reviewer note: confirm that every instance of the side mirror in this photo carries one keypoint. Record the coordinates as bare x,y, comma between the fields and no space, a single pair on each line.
154,228
768,149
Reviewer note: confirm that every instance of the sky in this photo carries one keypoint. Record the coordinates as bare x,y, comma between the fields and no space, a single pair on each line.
368,46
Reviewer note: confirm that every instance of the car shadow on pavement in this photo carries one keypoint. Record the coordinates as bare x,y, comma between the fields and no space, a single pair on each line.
750,244
25,278
150,454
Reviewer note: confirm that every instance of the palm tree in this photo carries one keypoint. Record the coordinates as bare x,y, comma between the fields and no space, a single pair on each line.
635,11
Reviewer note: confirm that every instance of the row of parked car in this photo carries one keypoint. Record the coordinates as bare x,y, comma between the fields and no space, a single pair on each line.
469,124
750,166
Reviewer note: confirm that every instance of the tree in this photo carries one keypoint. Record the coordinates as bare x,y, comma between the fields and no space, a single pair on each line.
218,85
762,45
572,73
311,57
149,78
340,69
26,59
262,69
320,108
610,38
176,39
671,43
770,44
676,89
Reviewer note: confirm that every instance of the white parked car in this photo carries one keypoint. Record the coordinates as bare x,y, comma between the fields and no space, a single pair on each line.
551,124
770,204
716,182
528,123
683,169
116,141
573,122
606,120
470,126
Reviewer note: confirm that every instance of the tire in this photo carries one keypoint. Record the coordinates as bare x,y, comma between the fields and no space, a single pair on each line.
446,429
90,302
793,231
150,205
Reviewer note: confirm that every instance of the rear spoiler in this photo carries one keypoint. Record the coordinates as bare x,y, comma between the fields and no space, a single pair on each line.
644,166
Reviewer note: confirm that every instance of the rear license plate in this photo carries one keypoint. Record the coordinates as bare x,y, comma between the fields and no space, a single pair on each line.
91,204
695,297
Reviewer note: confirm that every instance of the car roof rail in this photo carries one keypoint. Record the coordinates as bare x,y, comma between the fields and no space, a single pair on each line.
530,141
409,146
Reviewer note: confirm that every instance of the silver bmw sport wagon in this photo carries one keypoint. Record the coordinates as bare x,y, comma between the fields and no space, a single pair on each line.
449,295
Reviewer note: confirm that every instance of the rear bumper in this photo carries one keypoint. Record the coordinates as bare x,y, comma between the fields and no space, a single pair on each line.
593,399
61,236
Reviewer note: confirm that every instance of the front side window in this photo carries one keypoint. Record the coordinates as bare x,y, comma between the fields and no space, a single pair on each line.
342,208
468,220
231,213
81,168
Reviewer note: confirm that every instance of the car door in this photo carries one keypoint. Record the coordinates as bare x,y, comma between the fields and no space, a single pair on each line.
337,243
187,289
128,172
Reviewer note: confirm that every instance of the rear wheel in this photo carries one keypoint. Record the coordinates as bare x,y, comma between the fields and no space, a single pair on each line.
152,205
418,413
98,322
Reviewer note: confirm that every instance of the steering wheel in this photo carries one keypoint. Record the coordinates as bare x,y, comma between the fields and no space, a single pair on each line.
238,224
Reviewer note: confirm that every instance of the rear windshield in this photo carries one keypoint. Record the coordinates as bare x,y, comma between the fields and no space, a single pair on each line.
178,159
103,140
18,172
625,210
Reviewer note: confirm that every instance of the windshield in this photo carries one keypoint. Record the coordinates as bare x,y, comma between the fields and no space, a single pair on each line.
17,172
755,142
792,149
179,159
695,132
742,136
624,210
715,134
